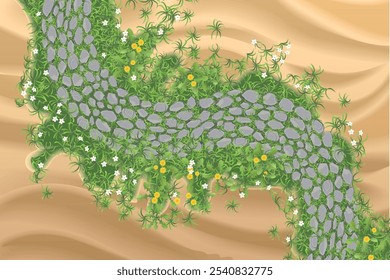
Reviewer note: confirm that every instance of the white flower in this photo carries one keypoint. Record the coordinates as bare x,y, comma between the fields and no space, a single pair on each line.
264,75
124,178
118,25
269,187
307,87
40,134
135,181
242,195
281,61
301,223
134,78
192,162
131,170
274,57
61,121
360,132
353,143
105,22
29,83
177,17
174,194
295,212
279,50
191,171
125,33
40,165
104,55
205,186
34,89
108,192
118,11
287,52
32,98
297,85
160,32
118,192
254,42
257,183
35,51
349,123
288,239
23,93
80,138
115,158
116,173
38,14
64,138
59,105
54,119
235,176
351,131
104,164
59,111
290,198
124,39
86,148
46,108
288,46
45,73
93,158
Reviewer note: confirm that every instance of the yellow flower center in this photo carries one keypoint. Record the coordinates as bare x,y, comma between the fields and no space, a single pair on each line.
190,77
193,202
126,69
134,46
141,42
132,62
366,239
176,200
193,83
155,167
373,230
163,170
162,162
154,200
256,160
265,172
197,173
156,194
188,195
370,257
139,49
217,176
264,157
190,176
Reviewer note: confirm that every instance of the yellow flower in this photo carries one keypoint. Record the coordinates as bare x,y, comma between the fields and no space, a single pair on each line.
366,239
217,176
126,69
373,230
190,176
155,167
265,172
139,49
193,202
190,77
193,83
176,200
132,62
154,200
370,257
188,195
162,162
134,46
256,160
156,194
197,173
163,170
264,157
141,42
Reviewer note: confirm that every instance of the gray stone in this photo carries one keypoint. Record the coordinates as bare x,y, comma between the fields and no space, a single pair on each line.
348,215
272,135
98,95
182,134
315,140
349,194
204,116
157,129
296,163
61,67
280,116
87,25
310,171
134,100
218,94
321,213
324,153
225,102
275,124
243,120
73,109
244,105
205,102
258,136
177,106
318,126
47,7
160,107
83,122
246,130
78,36
125,124
154,118
77,80
334,168
197,132
51,34
296,176
193,124
62,53
303,113
269,99
288,150
306,183
171,122
70,47
323,246
307,198
327,187
264,115
53,73
240,142
329,202
76,96
102,125
112,81
250,112
50,54
347,176
340,229
164,138
291,133
338,155
85,109
250,96
260,125
140,124
308,147
112,99
120,133
94,65
312,209
218,115
136,134
73,23
66,81
92,48
90,77
323,169
73,62
216,134
316,193
327,139
314,223
302,153
236,111
224,142
62,93
313,158
286,105
109,115
84,56
313,242
92,103
87,8
104,74
337,211
88,40
185,115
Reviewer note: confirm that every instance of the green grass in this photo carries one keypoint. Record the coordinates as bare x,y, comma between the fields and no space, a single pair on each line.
169,78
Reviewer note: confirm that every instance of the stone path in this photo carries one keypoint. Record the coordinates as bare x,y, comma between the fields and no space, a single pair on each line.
99,105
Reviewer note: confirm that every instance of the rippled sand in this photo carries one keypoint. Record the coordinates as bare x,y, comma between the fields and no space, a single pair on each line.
348,40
